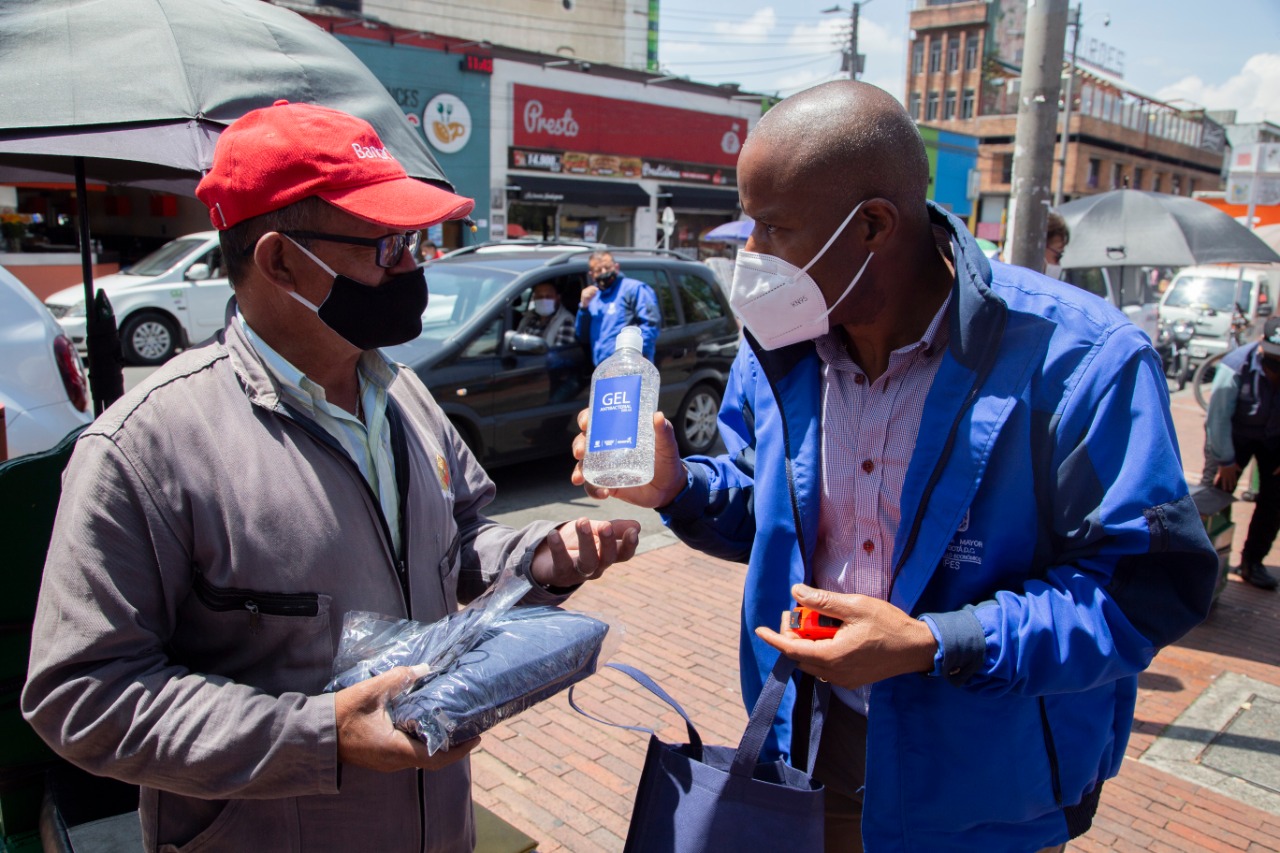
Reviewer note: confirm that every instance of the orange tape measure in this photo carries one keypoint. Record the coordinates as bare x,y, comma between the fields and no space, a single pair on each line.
812,625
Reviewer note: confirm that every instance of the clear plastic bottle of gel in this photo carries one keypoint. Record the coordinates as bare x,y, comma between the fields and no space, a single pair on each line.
624,396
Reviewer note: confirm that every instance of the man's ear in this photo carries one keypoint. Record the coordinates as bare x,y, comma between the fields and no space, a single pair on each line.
881,222
274,261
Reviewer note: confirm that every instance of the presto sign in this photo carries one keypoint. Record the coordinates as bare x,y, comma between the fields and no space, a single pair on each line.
569,121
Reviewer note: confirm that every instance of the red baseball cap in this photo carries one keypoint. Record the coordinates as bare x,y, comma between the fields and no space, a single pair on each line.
272,157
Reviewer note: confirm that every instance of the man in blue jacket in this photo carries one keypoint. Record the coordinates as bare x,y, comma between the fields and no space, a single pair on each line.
611,302
1243,423
971,466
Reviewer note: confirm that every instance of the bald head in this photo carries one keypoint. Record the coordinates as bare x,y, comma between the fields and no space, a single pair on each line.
845,140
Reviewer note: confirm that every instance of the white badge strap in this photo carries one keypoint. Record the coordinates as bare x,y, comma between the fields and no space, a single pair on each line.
833,237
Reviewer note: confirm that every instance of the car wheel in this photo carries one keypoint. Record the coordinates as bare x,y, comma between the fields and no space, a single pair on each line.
148,339
695,424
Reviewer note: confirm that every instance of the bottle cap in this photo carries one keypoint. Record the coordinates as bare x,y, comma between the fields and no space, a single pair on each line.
630,338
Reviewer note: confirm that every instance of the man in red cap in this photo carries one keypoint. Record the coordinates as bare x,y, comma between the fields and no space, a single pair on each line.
219,520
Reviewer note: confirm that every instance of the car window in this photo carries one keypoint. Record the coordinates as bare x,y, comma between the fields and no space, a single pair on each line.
1200,290
163,259
485,344
657,279
699,298
1090,279
213,258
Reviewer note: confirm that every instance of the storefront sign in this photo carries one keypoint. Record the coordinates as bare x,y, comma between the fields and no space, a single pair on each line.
447,123
613,166
572,122
478,64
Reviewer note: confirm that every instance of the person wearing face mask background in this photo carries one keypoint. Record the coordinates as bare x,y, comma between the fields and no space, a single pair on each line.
970,466
219,520
1057,236
610,302
548,318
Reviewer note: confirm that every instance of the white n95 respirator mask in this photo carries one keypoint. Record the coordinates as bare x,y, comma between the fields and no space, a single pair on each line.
780,303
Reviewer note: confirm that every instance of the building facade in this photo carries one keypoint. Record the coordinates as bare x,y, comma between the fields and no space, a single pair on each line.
563,149
963,75
617,32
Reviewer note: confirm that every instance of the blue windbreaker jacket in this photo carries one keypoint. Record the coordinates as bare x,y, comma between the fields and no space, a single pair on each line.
1046,528
628,302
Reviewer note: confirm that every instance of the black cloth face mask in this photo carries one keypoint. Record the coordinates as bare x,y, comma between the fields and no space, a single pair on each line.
369,317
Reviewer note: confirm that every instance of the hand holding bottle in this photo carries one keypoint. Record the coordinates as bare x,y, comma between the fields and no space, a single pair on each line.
669,476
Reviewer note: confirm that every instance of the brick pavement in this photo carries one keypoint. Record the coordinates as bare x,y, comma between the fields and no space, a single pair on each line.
569,782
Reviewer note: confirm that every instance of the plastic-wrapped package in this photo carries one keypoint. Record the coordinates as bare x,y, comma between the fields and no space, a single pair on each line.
477,667
371,643
529,655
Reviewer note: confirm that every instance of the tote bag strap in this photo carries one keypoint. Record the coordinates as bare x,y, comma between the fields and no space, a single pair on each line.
764,713
695,742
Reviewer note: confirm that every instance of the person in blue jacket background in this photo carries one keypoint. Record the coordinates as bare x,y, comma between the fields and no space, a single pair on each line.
970,465
611,302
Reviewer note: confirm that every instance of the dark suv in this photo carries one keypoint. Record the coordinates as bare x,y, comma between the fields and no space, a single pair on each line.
511,396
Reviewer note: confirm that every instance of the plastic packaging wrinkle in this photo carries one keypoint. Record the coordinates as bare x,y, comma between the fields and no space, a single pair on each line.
477,667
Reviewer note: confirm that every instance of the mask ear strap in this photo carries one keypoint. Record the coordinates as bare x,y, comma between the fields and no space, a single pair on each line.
827,313
310,255
322,266
832,239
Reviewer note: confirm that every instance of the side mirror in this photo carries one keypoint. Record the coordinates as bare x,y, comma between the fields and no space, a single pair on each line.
519,344
198,272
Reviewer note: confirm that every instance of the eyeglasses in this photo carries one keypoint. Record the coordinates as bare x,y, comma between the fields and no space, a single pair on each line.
391,248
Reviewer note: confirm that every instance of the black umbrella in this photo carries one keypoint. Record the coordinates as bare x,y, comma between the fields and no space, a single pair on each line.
136,92
1126,228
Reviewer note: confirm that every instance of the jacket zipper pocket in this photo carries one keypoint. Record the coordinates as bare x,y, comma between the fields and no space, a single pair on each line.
255,602
1052,754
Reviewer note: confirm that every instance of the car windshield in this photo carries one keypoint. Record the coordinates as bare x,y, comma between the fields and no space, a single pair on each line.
1202,291
456,294
163,259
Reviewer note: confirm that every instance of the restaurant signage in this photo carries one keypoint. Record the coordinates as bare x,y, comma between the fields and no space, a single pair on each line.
626,130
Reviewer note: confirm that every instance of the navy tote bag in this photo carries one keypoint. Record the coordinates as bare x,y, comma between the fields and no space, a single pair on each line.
697,798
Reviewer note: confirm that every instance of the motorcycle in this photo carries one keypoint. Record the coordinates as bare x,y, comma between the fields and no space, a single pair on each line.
1173,343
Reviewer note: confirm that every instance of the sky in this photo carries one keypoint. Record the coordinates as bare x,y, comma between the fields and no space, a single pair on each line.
1218,54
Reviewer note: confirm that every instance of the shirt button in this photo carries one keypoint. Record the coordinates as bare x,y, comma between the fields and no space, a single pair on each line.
868,546
868,466
858,379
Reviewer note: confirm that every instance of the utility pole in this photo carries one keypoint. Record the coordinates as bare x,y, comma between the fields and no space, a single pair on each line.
1036,132
853,39
1074,23
854,66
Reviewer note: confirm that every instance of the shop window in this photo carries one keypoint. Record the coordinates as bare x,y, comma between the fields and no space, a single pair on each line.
1157,182
1117,175
1095,170
971,51
1176,182
914,109
935,54
699,299
917,56
953,53
966,104
1139,175
931,107
949,105
1006,168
